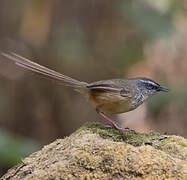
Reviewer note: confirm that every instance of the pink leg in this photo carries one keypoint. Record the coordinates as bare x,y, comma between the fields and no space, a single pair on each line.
112,123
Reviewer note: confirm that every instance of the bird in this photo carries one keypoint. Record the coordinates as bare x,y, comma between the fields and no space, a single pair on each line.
113,96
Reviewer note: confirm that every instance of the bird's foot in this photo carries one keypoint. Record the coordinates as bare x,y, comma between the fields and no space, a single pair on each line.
113,124
119,128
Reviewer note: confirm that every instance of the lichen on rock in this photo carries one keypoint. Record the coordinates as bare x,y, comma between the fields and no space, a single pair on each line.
96,152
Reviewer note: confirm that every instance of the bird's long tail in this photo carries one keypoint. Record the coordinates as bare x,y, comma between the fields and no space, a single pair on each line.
27,64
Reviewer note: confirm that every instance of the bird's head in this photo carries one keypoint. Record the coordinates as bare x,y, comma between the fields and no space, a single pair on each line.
147,87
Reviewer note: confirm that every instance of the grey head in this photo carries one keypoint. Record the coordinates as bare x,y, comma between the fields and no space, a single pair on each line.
147,87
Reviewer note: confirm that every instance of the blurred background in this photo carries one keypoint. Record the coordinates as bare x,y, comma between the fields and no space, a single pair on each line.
88,40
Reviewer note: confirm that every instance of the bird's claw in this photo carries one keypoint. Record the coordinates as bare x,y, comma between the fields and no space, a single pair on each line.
119,128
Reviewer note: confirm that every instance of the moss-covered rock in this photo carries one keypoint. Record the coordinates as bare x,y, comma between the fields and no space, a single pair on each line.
96,152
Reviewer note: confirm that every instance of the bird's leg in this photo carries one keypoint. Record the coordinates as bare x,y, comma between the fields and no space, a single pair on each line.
113,124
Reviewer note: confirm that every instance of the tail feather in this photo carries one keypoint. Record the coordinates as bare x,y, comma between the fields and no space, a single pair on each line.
27,64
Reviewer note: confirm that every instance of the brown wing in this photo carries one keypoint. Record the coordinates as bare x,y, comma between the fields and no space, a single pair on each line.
104,87
109,87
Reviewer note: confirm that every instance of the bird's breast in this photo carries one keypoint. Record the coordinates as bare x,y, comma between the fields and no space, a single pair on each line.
111,103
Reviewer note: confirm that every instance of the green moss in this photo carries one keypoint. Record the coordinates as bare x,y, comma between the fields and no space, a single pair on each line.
132,137
182,143
93,153
90,125
172,139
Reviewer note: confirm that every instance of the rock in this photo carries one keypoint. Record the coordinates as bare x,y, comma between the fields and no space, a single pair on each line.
96,152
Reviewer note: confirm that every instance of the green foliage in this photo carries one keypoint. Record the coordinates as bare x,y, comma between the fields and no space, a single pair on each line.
13,148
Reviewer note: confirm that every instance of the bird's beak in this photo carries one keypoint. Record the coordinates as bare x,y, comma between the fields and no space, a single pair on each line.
162,88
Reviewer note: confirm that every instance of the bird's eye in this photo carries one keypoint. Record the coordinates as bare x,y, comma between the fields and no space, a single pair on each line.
150,86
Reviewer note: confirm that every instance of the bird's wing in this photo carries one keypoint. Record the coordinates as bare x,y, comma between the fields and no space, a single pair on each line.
104,87
125,92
